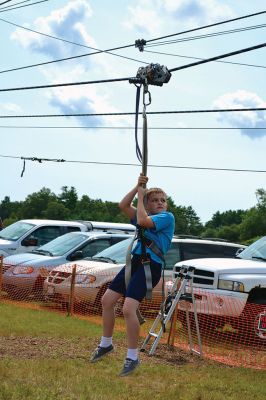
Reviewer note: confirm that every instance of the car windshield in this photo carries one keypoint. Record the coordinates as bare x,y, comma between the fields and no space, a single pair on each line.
62,244
256,251
15,231
117,252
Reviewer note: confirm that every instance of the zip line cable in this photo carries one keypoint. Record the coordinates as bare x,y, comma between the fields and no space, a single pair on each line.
259,46
67,84
198,58
233,53
98,51
25,5
127,127
133,113
133,45
208,35
40,160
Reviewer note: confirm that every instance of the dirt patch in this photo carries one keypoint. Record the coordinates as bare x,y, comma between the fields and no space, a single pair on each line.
80,348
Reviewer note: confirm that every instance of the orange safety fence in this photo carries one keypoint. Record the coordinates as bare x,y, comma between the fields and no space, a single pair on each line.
232,330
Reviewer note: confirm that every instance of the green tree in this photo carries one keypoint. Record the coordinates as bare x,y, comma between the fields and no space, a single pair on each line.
36,203
186,220
68,197
8,207
56,210
226,218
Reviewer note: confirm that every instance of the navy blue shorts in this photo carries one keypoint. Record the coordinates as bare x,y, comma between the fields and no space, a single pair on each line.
137,285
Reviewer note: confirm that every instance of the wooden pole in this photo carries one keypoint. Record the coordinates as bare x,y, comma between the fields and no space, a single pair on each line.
72,291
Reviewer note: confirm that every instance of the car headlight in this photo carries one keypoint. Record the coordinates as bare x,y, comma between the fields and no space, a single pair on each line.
85,278
231,285
22,270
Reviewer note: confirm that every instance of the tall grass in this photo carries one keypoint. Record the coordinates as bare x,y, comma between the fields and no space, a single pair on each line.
54,366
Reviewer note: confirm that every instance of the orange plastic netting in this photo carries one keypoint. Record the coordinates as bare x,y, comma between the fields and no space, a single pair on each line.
231,332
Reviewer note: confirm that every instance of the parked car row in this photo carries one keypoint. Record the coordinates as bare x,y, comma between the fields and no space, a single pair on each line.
46,271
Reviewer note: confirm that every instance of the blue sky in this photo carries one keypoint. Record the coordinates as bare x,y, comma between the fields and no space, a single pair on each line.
104,25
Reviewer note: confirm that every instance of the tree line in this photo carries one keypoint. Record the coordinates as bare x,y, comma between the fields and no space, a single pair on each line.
242,226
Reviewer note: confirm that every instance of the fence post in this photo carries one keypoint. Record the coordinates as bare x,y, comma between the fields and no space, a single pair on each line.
72,290
1,274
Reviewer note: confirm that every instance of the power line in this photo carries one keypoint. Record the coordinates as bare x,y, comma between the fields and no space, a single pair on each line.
98,51
133,113
128,127
25,5
40,160
133,45
198,58
209,26
14,4
259,46
4,2
208,35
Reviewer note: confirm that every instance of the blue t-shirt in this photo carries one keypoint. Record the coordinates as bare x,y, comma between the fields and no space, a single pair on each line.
161,234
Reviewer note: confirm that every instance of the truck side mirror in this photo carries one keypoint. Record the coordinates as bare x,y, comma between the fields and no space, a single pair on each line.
29,242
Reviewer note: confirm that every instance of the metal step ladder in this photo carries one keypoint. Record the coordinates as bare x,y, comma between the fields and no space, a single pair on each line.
177,293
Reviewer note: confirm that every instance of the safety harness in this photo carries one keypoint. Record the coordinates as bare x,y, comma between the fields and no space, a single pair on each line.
146,243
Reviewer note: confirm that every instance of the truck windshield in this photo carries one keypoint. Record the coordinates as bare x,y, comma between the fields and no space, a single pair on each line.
256,251
15,231
62,244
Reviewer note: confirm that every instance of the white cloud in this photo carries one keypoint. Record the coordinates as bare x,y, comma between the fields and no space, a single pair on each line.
63,23
246,119
71,23
10,107
145,17
197,12
148,16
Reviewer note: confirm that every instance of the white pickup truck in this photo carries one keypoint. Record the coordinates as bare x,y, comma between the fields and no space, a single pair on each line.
28,234
231,290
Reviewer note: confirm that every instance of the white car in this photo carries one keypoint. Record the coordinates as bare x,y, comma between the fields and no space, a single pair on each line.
28,234
95,274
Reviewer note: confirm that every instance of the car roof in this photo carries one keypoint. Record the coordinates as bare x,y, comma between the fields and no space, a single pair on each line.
193,239
51,222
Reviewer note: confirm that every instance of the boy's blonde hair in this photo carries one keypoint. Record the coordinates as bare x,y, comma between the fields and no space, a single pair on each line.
152,191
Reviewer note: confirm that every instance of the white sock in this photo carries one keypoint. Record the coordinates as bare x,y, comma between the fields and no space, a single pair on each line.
132,354
106,341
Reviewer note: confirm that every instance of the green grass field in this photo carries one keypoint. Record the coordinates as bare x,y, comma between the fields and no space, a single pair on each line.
44,356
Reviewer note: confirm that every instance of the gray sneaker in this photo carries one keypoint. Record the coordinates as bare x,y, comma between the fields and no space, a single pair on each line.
100,352
129,366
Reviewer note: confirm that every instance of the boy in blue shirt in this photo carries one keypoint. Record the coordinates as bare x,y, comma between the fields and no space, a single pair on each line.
151,214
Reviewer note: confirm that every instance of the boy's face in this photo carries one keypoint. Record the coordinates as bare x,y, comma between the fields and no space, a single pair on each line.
156,203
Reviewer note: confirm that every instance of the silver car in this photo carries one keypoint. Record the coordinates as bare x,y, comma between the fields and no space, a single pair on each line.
25,273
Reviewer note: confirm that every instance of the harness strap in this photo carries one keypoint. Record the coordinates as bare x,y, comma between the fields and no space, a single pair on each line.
147,271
